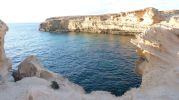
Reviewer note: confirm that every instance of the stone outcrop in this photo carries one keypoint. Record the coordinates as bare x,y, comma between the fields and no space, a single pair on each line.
31,67
127,23
5,63
174,21
159,47
124,23
28,68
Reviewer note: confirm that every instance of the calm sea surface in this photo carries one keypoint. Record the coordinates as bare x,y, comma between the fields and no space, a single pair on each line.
94,61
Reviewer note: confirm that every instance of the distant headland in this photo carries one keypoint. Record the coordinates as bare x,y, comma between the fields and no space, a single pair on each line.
125,23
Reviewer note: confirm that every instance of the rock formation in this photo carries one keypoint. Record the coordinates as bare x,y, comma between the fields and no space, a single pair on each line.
126,23
5,63
28,68
158,47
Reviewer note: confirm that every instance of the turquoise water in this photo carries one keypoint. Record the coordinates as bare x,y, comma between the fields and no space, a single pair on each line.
94,61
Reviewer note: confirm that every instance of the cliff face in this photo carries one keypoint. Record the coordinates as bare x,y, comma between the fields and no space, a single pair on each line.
159,51
121,23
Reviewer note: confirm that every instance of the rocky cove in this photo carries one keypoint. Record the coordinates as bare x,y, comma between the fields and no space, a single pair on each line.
158,46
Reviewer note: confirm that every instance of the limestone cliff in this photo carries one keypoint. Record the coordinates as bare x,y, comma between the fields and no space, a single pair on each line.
126,23
159,49
122,23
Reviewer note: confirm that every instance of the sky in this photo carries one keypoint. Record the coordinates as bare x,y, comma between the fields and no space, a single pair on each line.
18,11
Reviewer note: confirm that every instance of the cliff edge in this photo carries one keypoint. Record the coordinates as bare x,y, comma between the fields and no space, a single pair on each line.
126,23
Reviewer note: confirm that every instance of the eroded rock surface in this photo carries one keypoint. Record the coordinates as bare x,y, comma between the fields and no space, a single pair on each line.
5,63
28,68
125,23
160,47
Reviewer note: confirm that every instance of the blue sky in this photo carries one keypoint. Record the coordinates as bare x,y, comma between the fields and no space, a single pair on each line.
39,10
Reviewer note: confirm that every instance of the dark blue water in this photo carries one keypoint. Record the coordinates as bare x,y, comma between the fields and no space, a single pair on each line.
94,61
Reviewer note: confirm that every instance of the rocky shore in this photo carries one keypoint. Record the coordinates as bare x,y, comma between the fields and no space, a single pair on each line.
158,48
125,23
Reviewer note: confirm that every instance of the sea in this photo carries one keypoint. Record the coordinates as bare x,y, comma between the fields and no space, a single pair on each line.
97,62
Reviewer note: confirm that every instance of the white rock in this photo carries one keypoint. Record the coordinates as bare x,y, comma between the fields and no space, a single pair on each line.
159,45
5,63
127,23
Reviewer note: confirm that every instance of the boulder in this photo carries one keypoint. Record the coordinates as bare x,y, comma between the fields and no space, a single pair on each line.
31,67
28,68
